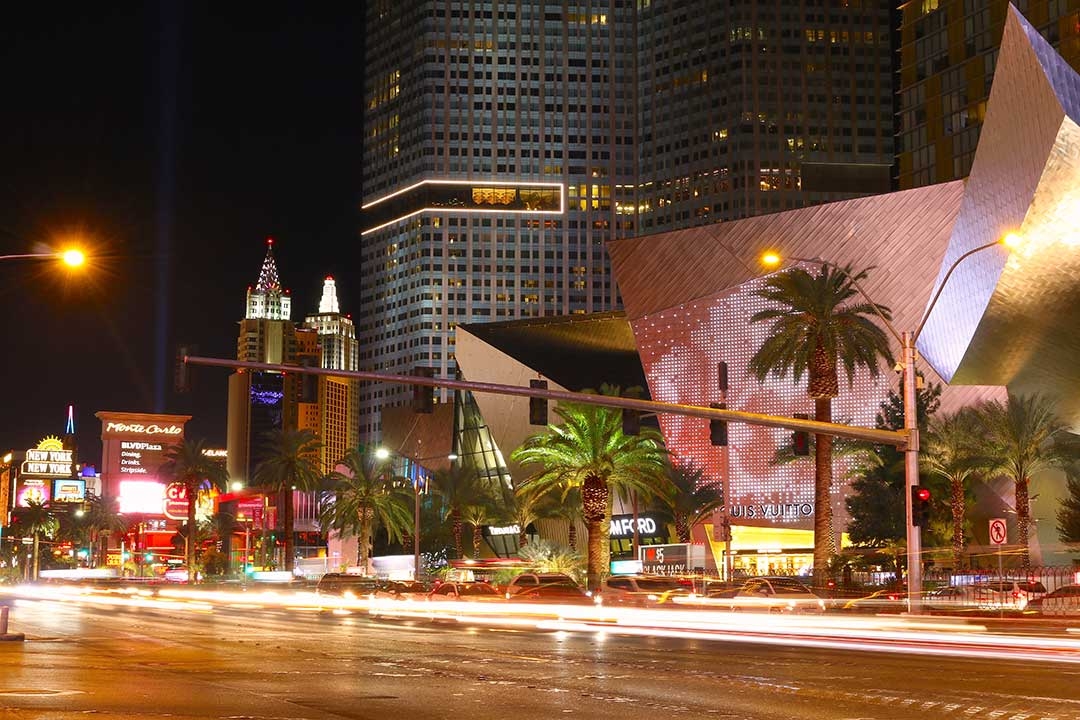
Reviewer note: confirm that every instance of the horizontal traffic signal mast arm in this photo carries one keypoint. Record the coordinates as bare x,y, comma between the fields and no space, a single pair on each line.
898,438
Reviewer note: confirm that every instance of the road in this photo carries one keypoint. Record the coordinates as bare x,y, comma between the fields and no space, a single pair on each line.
264,664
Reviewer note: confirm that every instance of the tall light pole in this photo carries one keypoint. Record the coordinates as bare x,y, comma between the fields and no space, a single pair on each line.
907,342
72,257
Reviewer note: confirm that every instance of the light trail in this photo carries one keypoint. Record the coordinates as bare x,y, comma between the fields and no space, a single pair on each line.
895,634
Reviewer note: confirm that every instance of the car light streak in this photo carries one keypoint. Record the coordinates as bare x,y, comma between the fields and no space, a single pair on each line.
892,633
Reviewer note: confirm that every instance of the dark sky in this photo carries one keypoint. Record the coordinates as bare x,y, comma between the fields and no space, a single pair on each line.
174,138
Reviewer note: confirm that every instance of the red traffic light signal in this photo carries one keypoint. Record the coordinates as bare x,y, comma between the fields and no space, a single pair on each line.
920,506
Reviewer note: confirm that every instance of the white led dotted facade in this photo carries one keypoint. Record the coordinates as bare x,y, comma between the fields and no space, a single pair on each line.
680,349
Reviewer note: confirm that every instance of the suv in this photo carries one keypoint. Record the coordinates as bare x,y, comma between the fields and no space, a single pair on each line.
547,587
529,581
346,585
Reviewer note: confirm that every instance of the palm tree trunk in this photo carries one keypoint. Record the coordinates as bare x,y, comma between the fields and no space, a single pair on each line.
571,535
824,540
682,528
477,536
36,557
364,541
189,553
956,499
456,526
1023,522
287,522
594,531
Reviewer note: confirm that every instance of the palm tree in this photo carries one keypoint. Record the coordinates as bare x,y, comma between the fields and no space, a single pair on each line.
589,450
526,507
460,487
37,519
949,452
365,495
290,462
101,518
690,501
816,329
1023,437
188,464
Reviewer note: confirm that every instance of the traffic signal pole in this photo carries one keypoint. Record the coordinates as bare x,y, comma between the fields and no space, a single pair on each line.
896,438
911,475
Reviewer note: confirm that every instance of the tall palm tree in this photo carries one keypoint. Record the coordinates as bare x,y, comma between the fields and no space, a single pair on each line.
37,519
1023,437
365,495
817,328
949,451
589,450
691,503
290,462
460,487
187,463
102,518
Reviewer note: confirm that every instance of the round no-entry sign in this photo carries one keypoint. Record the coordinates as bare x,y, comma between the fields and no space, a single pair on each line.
998,531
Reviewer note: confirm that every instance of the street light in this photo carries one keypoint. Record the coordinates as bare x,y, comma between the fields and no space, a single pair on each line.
382,454
907,342
72,257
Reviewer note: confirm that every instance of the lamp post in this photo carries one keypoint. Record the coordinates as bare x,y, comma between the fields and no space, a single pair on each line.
71,257
907,342
383,454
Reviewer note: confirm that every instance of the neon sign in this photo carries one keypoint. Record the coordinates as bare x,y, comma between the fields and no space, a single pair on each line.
48,458
141,429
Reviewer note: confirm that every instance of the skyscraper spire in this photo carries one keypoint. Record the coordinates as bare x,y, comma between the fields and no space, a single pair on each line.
328,303
268,275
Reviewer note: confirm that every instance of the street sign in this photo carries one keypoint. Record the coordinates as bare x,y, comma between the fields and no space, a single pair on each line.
998,531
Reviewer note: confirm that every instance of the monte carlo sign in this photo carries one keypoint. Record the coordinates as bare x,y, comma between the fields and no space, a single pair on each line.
133,448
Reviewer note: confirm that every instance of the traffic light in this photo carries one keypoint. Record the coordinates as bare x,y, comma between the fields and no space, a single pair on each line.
538,414
920,506
423,396
718,428
181,371
800,439
631,422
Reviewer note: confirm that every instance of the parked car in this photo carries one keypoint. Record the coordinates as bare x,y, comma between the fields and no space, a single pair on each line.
986,596
771,594
641,590
559,591
883,600
402,590
466,592
1064,601
346,585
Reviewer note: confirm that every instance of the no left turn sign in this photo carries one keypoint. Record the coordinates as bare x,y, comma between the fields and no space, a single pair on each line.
998,532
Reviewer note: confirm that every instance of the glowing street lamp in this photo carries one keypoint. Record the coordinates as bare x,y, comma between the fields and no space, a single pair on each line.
907,342
72,257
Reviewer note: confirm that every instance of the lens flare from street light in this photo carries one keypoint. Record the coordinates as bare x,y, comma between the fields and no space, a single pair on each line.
771,259
1012,240
73,257
382,453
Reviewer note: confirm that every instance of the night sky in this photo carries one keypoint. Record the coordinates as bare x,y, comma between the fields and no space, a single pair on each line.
175,139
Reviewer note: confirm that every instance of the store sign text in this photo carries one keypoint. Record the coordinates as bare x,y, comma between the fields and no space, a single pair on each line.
47,462
772,511
624,527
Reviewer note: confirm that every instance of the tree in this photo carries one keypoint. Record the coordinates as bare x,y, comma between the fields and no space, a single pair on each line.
1068,515
101,517
460,488
815,330
37,519
1023,437
526,507
691,502
589,450
364,496
187,464
290,462
949,451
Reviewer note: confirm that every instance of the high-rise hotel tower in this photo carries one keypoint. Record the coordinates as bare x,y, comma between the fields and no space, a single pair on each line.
506,142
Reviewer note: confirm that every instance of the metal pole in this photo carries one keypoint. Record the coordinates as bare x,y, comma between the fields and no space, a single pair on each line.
911,476
416,528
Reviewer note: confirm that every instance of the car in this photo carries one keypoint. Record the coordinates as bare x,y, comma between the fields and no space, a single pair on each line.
883,600
1064,601
993,595
466,592
562,591
772,594
641,590
402,590
176,574
346,585
530,580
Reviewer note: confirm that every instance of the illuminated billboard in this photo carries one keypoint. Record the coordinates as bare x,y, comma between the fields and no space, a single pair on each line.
69,490
133,447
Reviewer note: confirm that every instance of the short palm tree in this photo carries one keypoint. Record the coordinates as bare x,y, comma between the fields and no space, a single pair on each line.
364,495
188,464
37,519
290,462
460,487
691,502
1021,438
817,328
524,507
101,518
949,451
588,450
